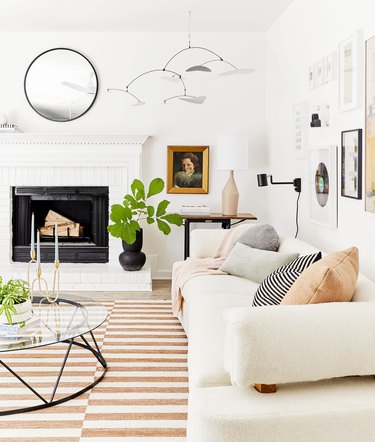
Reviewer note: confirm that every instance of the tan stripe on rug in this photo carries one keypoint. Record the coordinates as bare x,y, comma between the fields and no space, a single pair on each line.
143,396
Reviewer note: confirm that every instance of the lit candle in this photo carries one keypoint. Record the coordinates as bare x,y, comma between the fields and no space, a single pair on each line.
32,234
56,243
38,249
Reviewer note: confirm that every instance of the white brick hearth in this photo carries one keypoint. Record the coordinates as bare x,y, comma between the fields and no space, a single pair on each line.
71,160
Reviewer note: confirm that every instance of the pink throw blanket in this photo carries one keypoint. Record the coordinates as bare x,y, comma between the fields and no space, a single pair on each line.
193,267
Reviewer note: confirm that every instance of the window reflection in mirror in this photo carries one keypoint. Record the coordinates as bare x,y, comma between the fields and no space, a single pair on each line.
61,84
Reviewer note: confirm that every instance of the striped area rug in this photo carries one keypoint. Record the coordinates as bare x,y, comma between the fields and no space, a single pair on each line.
143,396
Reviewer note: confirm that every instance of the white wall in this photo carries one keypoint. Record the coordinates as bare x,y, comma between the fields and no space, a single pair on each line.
235,104
306,32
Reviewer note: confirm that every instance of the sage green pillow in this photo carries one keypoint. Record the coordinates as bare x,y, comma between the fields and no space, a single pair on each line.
254,264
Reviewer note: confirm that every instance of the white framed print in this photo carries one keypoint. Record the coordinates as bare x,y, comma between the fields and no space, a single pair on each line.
331,66
300,128
320,74
349,67
322,181
312,76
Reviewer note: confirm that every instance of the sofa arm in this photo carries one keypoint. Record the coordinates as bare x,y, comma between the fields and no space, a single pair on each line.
297,343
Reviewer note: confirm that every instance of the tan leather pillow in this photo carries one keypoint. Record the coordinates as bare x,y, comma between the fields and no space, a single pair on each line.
331,279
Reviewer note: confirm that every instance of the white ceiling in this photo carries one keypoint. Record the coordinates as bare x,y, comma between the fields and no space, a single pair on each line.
139,15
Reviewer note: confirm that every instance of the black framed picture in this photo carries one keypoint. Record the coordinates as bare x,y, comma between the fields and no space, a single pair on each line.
351,163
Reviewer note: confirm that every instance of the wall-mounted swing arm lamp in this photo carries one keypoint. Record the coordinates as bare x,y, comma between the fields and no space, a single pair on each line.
262,181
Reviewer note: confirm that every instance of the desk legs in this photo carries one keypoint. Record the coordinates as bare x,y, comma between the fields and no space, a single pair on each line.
225,224
187,239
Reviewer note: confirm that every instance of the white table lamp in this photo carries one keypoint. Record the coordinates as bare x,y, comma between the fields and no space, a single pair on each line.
232,154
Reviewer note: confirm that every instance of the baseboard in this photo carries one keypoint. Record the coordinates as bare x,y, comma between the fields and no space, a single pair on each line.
162,274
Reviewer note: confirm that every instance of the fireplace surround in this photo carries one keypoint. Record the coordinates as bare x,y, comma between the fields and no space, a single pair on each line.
87,206
79,161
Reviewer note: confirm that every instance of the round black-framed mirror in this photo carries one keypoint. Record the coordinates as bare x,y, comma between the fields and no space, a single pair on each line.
61,84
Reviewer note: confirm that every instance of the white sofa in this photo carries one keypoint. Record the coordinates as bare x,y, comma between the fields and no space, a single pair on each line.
302,349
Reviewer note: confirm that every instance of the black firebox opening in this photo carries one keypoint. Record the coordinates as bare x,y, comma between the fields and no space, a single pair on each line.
87,206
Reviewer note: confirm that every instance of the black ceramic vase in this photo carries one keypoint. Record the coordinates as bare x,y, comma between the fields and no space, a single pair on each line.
132,259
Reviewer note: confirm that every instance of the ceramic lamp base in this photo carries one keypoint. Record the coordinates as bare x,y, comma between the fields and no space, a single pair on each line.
230,197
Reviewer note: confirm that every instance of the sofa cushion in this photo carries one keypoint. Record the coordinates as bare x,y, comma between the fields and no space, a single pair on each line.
262,237
339,410
254,264
203,287
331,279
273,289
206,335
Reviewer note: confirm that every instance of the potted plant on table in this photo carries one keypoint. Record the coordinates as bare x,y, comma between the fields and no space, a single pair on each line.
127,218
15,303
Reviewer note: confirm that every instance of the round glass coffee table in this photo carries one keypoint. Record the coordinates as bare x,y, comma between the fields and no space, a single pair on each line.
71,320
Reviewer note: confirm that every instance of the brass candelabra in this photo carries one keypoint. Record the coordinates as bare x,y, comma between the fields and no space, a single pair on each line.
41,283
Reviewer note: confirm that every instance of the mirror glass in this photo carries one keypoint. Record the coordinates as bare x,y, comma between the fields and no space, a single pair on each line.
61,84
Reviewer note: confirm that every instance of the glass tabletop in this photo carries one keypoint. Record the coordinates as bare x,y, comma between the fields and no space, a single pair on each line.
69,317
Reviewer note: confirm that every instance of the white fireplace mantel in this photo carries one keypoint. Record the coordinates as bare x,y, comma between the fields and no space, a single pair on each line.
66,150
71,160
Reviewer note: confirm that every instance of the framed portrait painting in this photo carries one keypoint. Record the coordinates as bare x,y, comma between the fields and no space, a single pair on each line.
187,169
351,164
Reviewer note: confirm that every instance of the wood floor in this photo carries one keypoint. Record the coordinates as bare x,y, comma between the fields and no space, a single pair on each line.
161,289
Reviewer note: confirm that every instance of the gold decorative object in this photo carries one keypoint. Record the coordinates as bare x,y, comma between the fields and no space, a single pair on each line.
41,283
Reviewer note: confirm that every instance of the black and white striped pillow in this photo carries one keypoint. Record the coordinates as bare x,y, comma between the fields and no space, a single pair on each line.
275,286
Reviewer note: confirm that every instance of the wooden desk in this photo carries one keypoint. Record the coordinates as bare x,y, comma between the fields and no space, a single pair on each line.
225,220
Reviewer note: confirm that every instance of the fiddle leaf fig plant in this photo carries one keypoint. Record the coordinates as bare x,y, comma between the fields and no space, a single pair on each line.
15,291
135,208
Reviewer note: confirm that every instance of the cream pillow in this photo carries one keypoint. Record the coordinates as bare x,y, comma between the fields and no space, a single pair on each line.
331,279
254,264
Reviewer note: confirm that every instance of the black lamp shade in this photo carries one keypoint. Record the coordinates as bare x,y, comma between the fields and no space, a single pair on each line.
262,180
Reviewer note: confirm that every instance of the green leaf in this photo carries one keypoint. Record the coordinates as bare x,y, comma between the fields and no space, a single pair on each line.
164,227
150,210
130,201
118,213
162,208
150,220
129,232
115,230
156,186
173,218
138,190
8,316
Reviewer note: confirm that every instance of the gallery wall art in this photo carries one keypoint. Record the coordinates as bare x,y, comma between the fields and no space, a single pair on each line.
300,128
351,163
370,126
322,181
350,67
187,169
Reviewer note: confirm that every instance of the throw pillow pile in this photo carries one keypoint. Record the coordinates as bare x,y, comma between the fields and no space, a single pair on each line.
332,279
276,285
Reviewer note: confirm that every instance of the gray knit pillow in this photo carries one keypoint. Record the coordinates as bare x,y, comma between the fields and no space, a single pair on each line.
262,237
254,264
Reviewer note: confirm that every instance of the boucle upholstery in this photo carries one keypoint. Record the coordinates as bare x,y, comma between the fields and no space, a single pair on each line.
280,344
340,410
336,410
